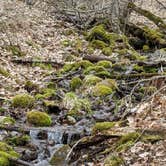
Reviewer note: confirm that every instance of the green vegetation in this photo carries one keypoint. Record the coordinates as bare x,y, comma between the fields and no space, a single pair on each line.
38,118
4,72
15,50
46,93
91,80
7,121
75,83
23,101
113,161
105,64
102,90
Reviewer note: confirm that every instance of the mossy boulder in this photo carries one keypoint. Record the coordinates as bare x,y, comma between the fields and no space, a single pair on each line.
38,118
101,90
102,126
21,140
6,120
75,83
105,64
23,101
91,80
59,156
6,152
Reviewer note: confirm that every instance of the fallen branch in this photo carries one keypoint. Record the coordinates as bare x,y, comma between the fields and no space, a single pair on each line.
31,61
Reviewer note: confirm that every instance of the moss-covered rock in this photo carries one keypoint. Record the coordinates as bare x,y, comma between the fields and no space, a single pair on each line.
6,120
101,90
94,70
91,80
23,101
60,155
75,83
102,126
46,93
105,64
107,51
6,152
38,118
98,44
21,140
113,161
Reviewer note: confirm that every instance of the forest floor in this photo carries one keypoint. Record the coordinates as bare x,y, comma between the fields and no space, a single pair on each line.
124,127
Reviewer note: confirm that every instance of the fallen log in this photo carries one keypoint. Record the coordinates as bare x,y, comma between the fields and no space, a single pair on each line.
155,19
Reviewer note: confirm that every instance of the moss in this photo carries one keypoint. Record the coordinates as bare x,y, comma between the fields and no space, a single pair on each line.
102,90
75,83
7,121
109,83
107,51
136,56
6,152
94,69
91,80
105,64
113,161
4,72
75,104
151,138
90,50
38,118
103,74
46,93
98,44
23,101
66,43
148,69
127,141
122,51
138,68
43,66
99,33
146,48
16,50
18,140
101,126
30,86
84,64
78,45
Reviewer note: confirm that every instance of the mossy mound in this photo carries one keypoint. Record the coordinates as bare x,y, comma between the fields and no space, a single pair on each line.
98,44
102,126
38,118
75,83
4,72
23,101
6,120
91,80
6,152
107,51
94,70
109,83
105,64
46,93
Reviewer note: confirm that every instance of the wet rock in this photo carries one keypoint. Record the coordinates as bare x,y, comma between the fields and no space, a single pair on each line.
29,155
60,155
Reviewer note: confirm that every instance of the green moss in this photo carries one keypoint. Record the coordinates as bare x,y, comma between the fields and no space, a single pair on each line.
30,86
122,51
43,66
103,74
99,33
38,118
151,138
90,50
75,104
98,44
16,50
66,43
102,126
113,161
18,140
146,48
46,93
105,64
102,90
127,141
6,152
91,80
138,68
107,51
148,69
94,69
136,56
4,72
23,101
75,83
7,121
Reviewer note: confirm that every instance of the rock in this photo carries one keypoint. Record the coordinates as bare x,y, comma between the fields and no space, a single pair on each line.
38,118
71,120
60,155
